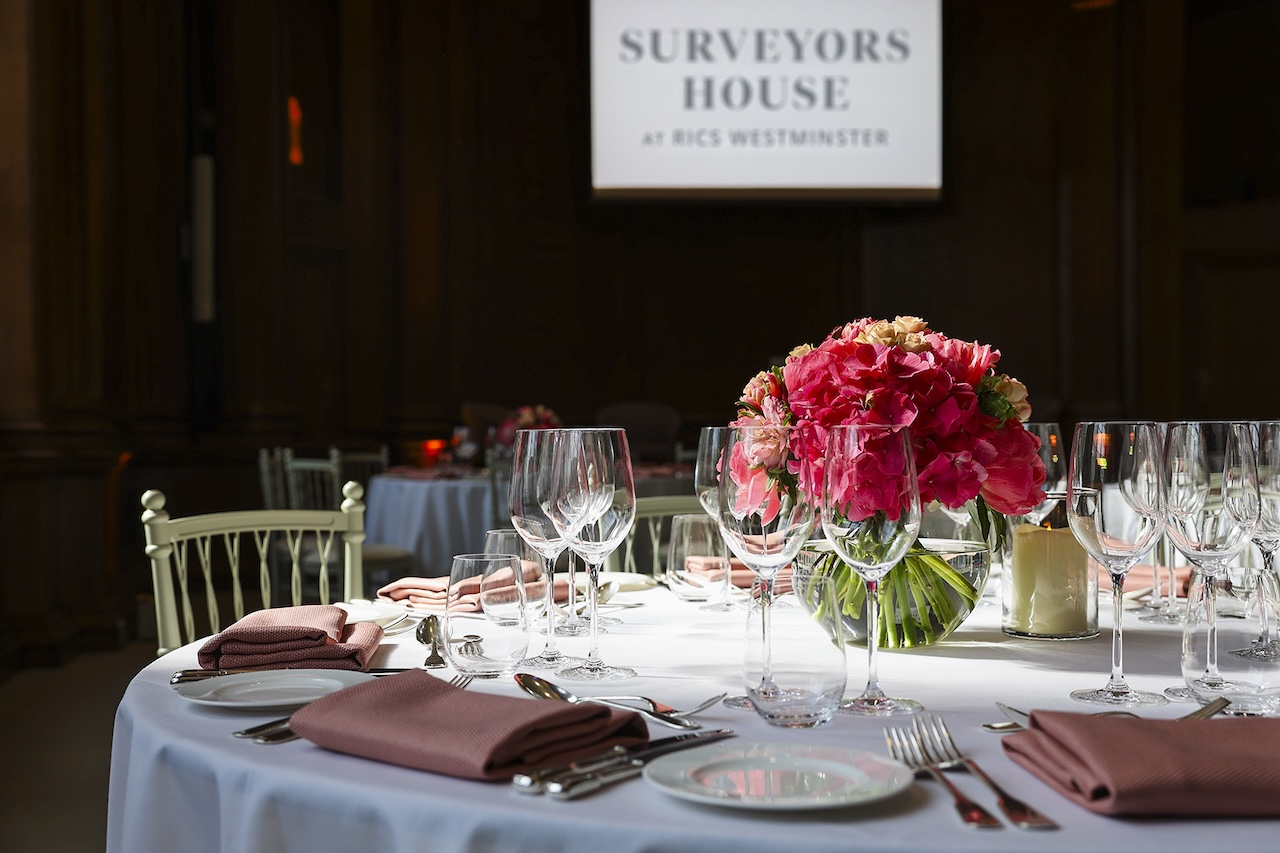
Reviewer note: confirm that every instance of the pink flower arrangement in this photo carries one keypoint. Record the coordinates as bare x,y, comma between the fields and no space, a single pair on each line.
525,417
965,419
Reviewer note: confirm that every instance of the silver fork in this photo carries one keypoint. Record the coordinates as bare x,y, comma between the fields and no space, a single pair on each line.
940,749
278,731
904,745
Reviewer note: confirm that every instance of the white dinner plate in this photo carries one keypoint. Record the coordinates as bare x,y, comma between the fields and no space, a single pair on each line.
394,618
627,581
381,613
279,689
779,777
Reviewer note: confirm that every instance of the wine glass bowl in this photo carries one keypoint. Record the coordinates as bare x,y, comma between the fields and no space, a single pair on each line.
1114,510
871,516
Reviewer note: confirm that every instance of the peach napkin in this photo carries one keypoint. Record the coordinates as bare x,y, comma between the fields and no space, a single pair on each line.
416,720
433,593
1128,766
1144,576
712,568
311,636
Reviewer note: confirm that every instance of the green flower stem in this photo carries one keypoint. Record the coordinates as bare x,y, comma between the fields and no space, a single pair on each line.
915,596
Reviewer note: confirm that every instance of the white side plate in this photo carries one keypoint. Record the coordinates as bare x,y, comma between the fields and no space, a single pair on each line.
280,689
779,777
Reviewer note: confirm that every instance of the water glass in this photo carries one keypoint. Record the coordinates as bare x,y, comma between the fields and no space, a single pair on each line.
797,678
697,558
485,624
1246,663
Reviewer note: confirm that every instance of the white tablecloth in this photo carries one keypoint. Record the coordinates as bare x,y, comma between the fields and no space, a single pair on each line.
436,519
179,781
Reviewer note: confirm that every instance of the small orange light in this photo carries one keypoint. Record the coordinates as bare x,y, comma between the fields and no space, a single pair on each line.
295,132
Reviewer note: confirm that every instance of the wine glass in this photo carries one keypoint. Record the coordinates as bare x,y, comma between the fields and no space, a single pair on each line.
539,584
1054,457
1211,501
593,506
1115,512
764,513
1266,536
871,515
706,484
531,478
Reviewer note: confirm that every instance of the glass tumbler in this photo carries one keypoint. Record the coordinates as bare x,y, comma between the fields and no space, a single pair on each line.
802,681
697,558
486,621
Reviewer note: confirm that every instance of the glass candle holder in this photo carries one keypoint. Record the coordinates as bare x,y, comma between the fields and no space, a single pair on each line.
1050,586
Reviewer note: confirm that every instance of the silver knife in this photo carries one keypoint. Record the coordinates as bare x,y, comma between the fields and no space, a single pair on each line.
186,676
1022,718
577,784
534,782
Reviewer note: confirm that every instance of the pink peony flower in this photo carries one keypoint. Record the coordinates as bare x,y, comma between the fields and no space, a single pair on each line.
902,374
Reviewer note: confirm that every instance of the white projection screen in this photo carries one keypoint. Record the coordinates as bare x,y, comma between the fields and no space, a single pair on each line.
767,99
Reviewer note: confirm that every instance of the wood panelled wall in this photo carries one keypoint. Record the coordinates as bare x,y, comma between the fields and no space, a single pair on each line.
435,245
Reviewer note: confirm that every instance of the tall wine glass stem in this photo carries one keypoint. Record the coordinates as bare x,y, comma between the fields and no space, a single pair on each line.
1265,644
873,690
766,652
550,650
573,618
1117,684
594,661
1212,678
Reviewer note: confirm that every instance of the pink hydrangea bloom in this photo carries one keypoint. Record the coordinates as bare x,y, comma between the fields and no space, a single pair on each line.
902,374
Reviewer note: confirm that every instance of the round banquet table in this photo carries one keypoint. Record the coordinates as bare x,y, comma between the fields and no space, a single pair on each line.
180,781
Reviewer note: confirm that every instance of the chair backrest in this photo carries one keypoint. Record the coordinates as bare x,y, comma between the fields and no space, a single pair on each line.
271,477
651,427
360,465
313,483
499,468
243,535
652,514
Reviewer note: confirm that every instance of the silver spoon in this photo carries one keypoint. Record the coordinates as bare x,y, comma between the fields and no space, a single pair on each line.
428,633
536,686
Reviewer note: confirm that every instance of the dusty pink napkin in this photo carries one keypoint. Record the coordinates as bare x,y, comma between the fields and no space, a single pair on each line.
414,719
311,636
1142,576
1128,766
433,593
713,569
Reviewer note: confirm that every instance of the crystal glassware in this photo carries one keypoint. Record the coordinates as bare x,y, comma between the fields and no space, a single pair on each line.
1266,537
806,655
593,506
706,484
1114,510
533,454
1212,505
484,626
539,586
765,514
871,515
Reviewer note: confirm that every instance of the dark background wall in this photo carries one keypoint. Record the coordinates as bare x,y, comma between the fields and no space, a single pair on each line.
1111,222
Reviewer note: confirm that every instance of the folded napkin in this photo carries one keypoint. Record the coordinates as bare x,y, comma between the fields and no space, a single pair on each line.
311,636
712,568
433,593
1128,766
1144,577
414,719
